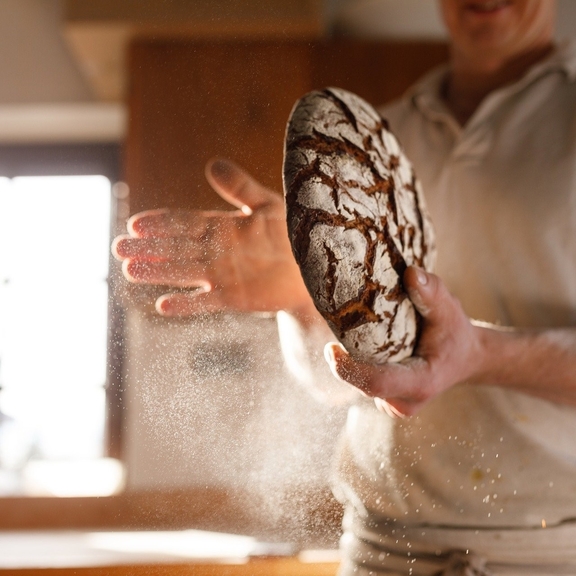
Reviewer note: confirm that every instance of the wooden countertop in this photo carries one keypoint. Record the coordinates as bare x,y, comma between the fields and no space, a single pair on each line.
154,553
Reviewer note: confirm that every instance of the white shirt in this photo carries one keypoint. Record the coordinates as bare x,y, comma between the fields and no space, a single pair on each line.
502,195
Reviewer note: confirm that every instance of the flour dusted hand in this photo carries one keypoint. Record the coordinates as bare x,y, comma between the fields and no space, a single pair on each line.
356,220
238,260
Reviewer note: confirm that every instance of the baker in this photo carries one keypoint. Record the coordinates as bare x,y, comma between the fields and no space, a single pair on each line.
469,466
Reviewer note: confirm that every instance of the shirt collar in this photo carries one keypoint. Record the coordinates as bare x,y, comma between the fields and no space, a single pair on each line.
426,94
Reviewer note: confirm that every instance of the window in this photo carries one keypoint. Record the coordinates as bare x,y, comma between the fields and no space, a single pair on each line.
54,260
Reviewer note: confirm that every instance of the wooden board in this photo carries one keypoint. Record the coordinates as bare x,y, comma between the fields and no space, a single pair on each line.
261,567
176,553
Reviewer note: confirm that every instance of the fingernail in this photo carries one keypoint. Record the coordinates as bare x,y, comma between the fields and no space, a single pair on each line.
163,306
387,408
421,277
222,170
117,248
133,225
127,269
135,269
333,350
383,406
137,226
329,354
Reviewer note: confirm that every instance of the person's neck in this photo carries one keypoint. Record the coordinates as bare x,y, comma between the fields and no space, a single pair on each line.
471,80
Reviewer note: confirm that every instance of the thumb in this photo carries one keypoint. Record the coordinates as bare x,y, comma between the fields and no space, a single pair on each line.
427,292
237,186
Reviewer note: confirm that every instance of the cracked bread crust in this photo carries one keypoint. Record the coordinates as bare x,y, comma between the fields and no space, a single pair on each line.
356,219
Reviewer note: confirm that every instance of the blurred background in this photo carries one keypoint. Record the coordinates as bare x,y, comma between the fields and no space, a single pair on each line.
110,417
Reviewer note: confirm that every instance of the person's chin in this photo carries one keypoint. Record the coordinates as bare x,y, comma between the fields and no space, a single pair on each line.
488,26
492,42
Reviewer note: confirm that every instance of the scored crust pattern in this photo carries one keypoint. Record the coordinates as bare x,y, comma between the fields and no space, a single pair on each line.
356,219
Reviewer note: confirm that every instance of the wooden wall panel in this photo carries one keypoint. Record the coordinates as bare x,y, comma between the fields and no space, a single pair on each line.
190,101
377,71
193,101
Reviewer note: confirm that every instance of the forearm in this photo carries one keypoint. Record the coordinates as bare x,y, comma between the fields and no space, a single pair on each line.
452,350
538,362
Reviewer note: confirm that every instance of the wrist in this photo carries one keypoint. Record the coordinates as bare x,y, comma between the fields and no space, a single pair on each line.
494,353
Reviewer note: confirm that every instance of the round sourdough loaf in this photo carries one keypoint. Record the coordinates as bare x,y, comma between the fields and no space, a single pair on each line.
356,220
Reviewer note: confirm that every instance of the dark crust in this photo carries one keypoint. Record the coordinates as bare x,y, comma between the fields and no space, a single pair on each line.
375,229
325,145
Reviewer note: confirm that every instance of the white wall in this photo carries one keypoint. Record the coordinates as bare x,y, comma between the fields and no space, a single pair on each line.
35,64
43,96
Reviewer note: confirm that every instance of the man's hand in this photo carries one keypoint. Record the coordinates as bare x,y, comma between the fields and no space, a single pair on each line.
448,352
237,260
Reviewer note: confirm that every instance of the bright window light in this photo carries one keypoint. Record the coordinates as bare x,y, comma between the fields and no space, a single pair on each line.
54,255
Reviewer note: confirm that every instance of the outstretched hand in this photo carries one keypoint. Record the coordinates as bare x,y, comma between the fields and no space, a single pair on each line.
238,260
448,352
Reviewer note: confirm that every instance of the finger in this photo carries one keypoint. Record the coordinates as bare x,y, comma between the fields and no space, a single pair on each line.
171,223
388,408
117,244
394,380
157,248
237,186
428,294
184,305
345,368
401,408
161,222
185,274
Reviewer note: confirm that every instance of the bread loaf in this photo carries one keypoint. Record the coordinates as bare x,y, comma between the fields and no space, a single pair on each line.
356,219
